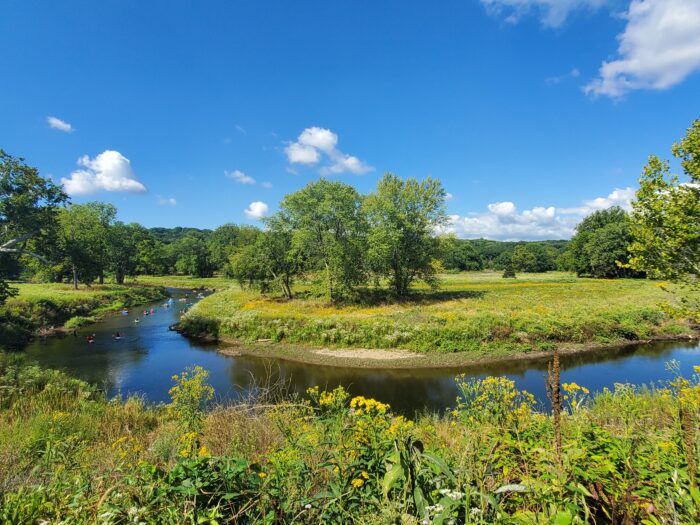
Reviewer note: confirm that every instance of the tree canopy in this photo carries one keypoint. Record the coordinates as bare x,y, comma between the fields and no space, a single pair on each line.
599,248
403,216
666,215
28,207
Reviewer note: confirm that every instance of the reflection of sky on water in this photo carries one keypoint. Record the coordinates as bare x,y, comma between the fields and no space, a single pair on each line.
148,354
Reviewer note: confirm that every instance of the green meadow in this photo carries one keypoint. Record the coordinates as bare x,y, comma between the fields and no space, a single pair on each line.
479,312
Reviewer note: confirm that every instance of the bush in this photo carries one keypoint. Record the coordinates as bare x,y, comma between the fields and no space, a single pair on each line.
78,321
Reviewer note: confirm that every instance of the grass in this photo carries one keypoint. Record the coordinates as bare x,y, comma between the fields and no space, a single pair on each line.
46,305
480,313
69,455
185,281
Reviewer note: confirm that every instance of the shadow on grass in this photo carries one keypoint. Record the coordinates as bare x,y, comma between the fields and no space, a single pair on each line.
373,297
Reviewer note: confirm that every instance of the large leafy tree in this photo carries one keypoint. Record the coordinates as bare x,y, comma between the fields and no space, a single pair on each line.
666,215
600,246
83,239
270,261
28,207
403,217
152,257
192,257
329,233
122,249
228,239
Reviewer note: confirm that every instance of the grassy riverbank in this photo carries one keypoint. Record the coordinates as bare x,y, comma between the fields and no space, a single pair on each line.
478,313
38,307
185,281
68,455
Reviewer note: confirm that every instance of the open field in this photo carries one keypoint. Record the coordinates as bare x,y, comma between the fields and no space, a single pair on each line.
480,313
41,306
185,281
68,455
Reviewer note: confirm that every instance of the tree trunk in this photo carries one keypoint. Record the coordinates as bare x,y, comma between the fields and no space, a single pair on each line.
287,288
75,277
119,277
101,278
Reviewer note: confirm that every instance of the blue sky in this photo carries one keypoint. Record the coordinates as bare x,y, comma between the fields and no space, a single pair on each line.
531,112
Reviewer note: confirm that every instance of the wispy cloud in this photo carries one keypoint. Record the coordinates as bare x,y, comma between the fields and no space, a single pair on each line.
166,201
239,177
57,123
552,81
552,13
256,210
241,129
267,185
109,171
315,145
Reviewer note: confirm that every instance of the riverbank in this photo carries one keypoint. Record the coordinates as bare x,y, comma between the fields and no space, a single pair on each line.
186,282
473,317
46,308
404,359
68,454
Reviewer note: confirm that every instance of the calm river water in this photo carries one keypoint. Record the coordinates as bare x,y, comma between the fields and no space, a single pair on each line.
148,354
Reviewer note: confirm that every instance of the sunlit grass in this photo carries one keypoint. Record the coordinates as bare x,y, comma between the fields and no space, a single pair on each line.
470,311
69,455
185,281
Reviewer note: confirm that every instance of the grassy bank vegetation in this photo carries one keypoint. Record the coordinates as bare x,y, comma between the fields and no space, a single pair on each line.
477,312
38,306
68,455
185,281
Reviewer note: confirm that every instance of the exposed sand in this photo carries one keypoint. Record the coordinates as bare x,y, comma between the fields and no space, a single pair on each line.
366,353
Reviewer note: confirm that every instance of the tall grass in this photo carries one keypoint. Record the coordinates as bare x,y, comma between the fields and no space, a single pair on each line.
476,312
69,455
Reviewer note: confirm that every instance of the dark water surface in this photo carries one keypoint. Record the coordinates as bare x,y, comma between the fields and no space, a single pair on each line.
148,354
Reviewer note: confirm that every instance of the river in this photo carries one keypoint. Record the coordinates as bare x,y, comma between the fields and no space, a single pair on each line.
146,356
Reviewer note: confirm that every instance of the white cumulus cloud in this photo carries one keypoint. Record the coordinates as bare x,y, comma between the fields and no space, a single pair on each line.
109,171
256,210
239,177
316,144
552,13
503,221
658,49
57,123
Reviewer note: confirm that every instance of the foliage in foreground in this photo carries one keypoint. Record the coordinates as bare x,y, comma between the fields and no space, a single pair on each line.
68,455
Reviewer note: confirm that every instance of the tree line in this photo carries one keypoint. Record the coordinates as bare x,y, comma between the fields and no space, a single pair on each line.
341,241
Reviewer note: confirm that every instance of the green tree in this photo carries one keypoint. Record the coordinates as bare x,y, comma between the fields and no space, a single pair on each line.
329,233
122,249
152,257
228,239
192,257
600,246
83,239
28,207
666,215
523,259
272,260
403,217
457,254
